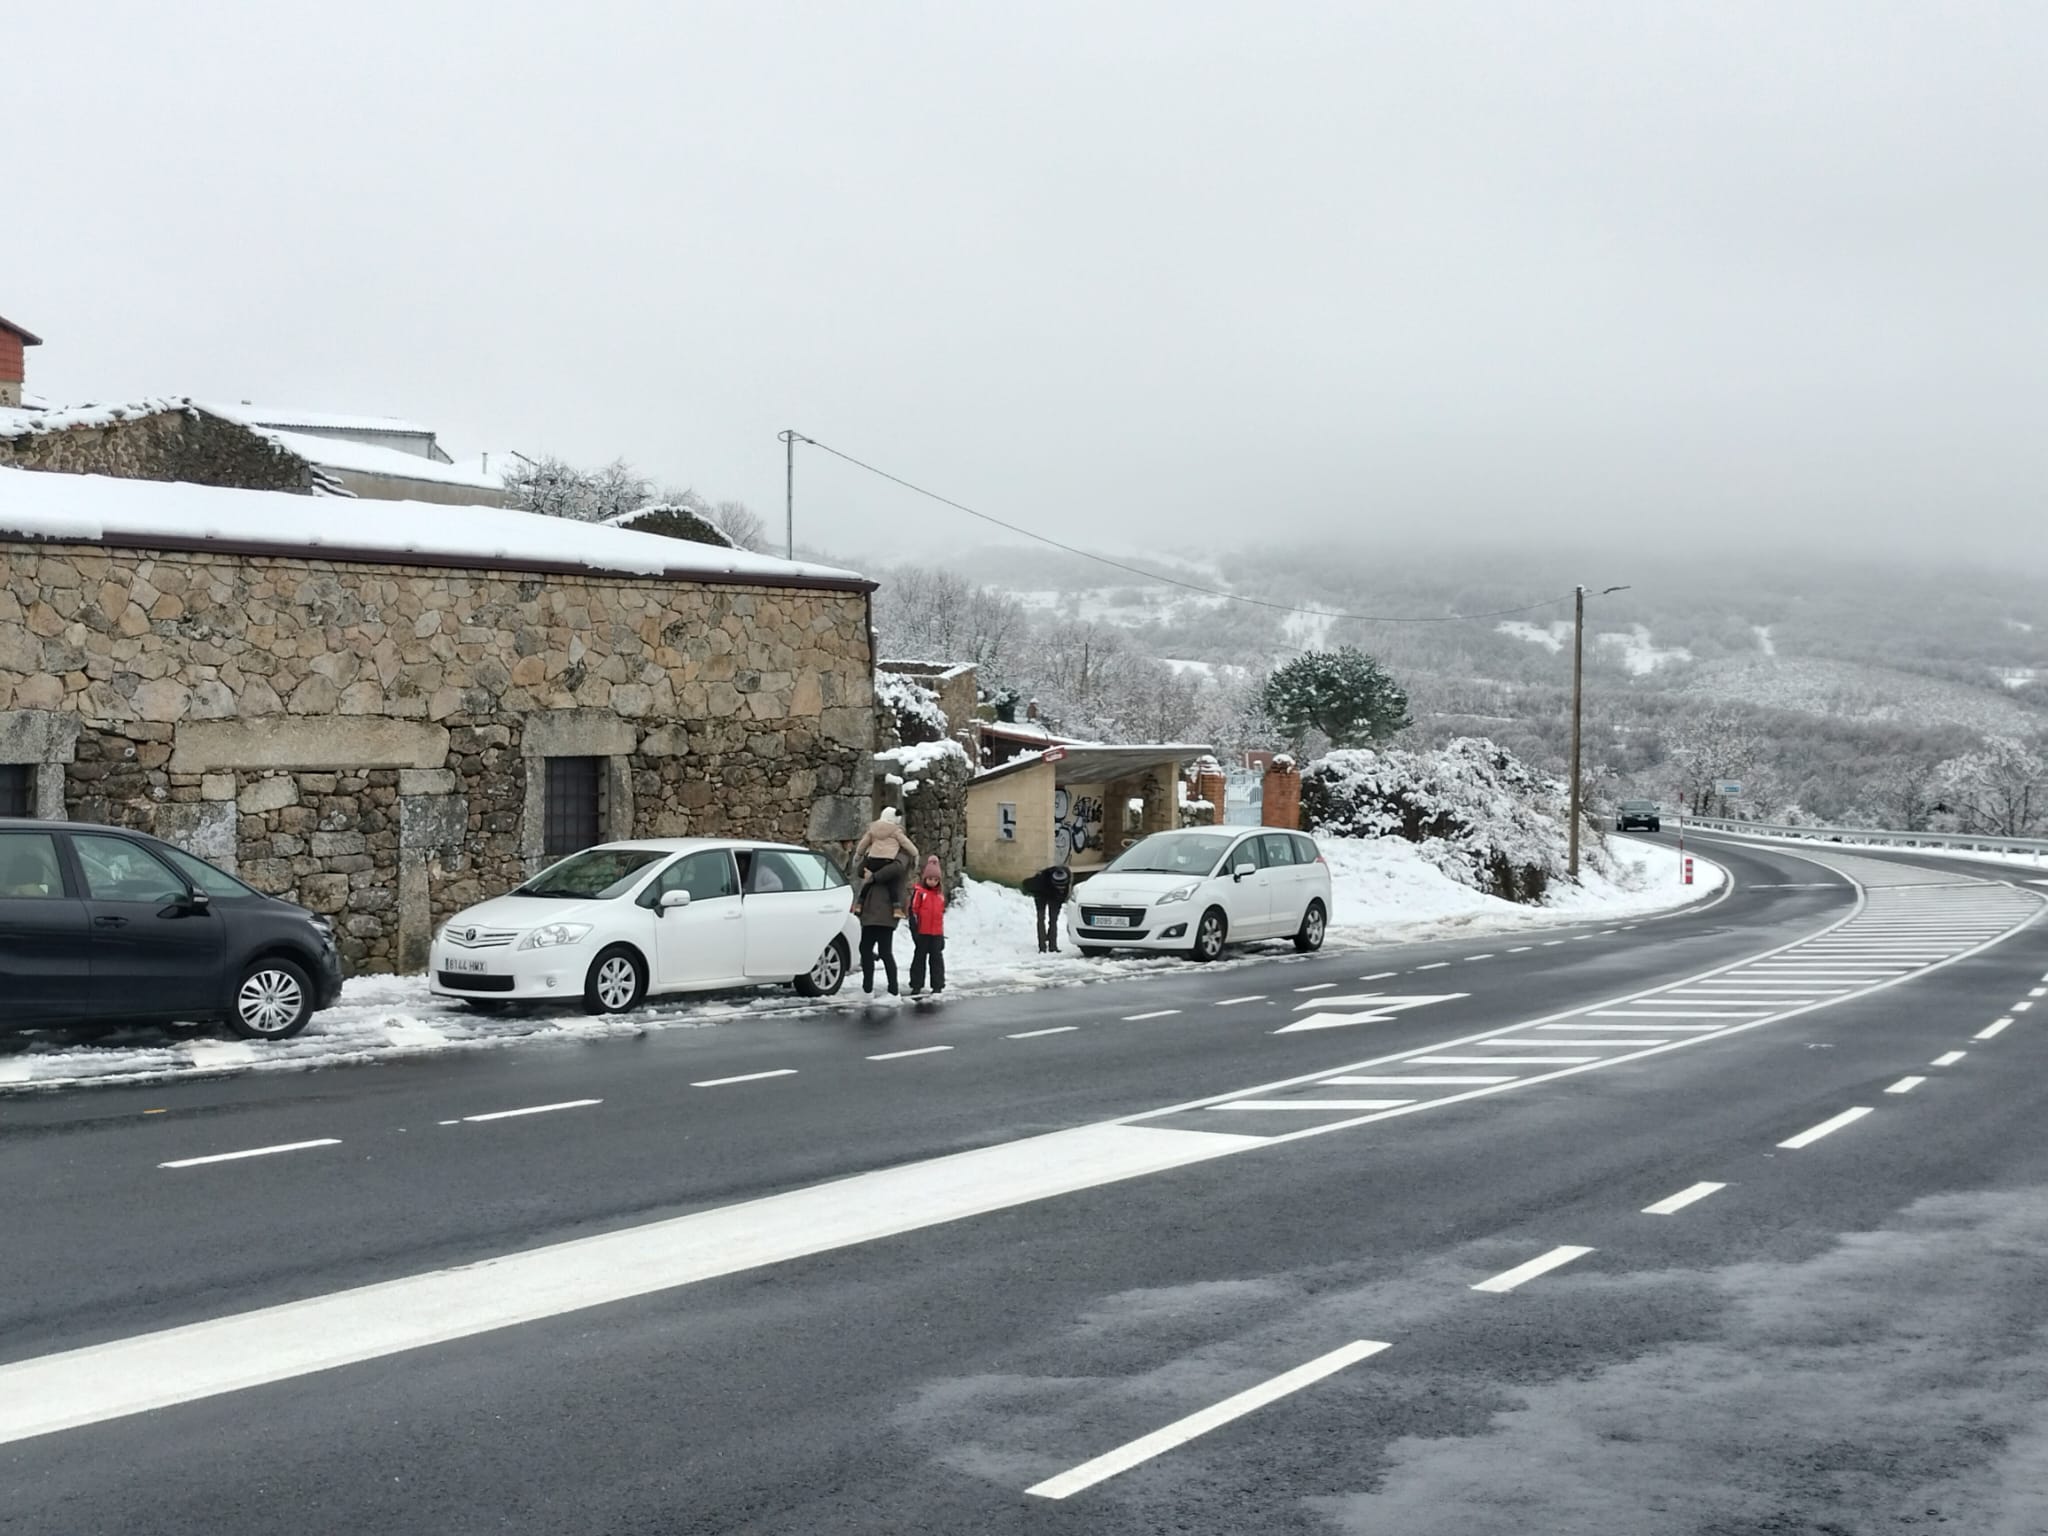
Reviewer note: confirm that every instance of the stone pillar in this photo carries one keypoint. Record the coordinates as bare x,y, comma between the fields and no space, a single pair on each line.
433,822
1212,786
1282,795
1161,811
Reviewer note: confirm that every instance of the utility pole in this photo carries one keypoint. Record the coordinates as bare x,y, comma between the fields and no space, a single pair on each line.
789,441
1578,714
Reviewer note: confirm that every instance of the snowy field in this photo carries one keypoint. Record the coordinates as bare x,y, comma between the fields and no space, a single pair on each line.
1384,892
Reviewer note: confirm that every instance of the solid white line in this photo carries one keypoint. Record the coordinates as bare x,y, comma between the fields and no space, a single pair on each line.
1906,1085
1508,1279
1993,1030
1313,1104
1033,1034
1635,1029
1605,1044
1807,1138
1317,986
1232,1002
1158,1013
744,1077
922,1050
1432,1082
1948,1058
230,1157
537,1109
1499,1061
1143,1449
1673,1013
1670,1205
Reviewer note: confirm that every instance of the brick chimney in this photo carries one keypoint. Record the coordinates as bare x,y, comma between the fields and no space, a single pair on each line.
13,368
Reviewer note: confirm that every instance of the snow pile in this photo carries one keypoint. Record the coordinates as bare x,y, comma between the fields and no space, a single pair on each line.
915,706
1637,653
1472,808
21,422
912,764
1551,636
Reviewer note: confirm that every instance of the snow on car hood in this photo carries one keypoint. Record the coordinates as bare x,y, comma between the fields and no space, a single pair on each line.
523,912
1134,889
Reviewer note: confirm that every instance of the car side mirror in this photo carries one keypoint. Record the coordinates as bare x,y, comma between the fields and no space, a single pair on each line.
670,900
1244,870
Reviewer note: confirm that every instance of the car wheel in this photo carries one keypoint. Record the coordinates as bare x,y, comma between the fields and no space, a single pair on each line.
273,1000
1314,923
1210,934
1656,826
828,975
617,982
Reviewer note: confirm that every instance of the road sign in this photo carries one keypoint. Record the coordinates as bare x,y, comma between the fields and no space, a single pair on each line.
1053,755
1728,789
1006,821
1688,869
1378,1008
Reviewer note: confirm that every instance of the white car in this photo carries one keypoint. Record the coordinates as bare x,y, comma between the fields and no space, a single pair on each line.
616,924
1196,890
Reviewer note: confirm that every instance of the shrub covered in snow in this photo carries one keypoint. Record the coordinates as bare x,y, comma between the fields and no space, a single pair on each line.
915,707
1474,809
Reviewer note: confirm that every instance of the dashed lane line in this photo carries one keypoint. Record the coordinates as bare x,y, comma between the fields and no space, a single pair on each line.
1379,975
744,1077
1317,986
531,1109
1434,965
1521,949
1180,1431
2021,1007
1671,1205
1993,1030
235,1157
1948,1058
922,1050
1470,958
1157,1013
1828,1127
1033,1034
1906,1085
1232,1002
1521,1274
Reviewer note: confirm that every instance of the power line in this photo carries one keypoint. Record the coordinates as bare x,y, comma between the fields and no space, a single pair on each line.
1174,581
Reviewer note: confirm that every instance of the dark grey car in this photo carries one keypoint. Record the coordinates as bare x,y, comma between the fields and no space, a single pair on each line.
1646,814
102,925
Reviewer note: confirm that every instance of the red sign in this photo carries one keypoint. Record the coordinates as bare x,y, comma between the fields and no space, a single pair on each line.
1688,869
1053,755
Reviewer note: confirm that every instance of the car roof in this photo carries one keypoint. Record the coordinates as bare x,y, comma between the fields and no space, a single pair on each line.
36,824
695,844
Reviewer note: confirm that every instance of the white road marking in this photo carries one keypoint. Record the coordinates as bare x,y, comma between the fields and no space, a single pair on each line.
1434,965
1500,1061
1143,1449
1232,1002
1674,1013
1906,1085
2021,1007
1157,1013
1580,937
1487,956
1670,1205
1432,1082
1033,1034
1993,1030
922,1050
1521,1274
744,1077
226,1354
1521,949
1606,1044
1635,1029
1948,1058
447,1122
1552,943
537,1109
232,1157
1313,1104
1827,1127
1317,986
1379,975
2039,992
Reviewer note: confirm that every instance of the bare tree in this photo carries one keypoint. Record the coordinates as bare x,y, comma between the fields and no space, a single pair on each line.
2001,789
1906,789
740,523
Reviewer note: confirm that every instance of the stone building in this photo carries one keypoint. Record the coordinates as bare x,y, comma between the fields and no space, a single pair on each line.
13,365
390,711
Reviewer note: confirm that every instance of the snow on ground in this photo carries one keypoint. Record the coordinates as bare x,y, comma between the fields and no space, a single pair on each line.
1550,636
1764,642
1637,653
1383,892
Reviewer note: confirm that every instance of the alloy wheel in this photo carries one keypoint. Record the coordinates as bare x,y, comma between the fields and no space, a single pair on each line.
827,973
270,1001
616,982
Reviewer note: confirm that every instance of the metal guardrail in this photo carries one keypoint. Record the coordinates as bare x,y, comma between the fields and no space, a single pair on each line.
1964,841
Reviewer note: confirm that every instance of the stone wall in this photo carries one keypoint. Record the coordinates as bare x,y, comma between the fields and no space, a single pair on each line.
370,740
171,443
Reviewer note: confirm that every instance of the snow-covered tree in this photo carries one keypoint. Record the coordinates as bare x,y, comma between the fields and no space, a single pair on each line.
2001,789
1341,695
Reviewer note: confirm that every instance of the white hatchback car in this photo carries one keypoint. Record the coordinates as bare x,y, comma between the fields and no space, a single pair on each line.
615,924
1196,890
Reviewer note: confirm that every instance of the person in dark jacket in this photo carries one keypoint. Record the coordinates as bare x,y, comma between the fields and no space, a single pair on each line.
928,929
1049,889
877,935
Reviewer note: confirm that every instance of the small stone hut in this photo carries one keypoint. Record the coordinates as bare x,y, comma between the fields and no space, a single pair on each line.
389,711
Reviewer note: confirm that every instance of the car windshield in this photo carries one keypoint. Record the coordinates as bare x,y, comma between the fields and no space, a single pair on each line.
1171,853
1640,806
595,874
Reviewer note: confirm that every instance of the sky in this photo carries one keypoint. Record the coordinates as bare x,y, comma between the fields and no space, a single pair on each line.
1171,276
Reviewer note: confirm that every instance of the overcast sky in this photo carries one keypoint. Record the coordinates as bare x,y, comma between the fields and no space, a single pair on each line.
1130,272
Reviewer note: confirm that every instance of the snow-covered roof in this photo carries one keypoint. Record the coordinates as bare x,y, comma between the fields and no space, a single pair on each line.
155,514
938,671
21,422
1081,761
333,421
368,459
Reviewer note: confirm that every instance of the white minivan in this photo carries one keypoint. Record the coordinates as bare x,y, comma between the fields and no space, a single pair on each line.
615,924
1195,890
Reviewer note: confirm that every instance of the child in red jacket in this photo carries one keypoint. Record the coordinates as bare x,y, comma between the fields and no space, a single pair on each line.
928,929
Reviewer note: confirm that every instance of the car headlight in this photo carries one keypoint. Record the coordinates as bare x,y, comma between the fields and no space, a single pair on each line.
1181,893
556,933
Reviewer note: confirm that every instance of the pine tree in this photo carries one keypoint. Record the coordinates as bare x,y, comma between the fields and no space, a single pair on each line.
1341,694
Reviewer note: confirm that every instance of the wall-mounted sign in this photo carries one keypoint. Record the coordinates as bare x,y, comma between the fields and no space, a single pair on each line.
1006,820
1053,755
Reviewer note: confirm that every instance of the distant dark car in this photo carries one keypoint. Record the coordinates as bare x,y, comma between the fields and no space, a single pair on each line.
1639,813
101,925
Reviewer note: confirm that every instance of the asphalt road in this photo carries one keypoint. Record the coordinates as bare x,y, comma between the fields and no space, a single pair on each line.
1072,1220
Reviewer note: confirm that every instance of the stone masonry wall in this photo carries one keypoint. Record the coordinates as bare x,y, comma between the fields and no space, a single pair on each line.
369,740
174,443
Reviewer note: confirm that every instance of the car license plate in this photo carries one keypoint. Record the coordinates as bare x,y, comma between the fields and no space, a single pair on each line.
469,967
1109,921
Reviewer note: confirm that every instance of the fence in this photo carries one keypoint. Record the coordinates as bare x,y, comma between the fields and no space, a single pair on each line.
1962,841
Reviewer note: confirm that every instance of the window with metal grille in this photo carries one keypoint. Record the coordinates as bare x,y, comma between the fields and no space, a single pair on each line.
17,789
574,805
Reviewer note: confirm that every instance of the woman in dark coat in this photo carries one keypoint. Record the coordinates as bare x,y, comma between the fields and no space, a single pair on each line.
877,934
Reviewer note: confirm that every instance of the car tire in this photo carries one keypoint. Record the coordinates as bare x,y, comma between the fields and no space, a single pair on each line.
616,982
1656,826
1092,951
487,1005
828,975
273,999
1211,933
1315,923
